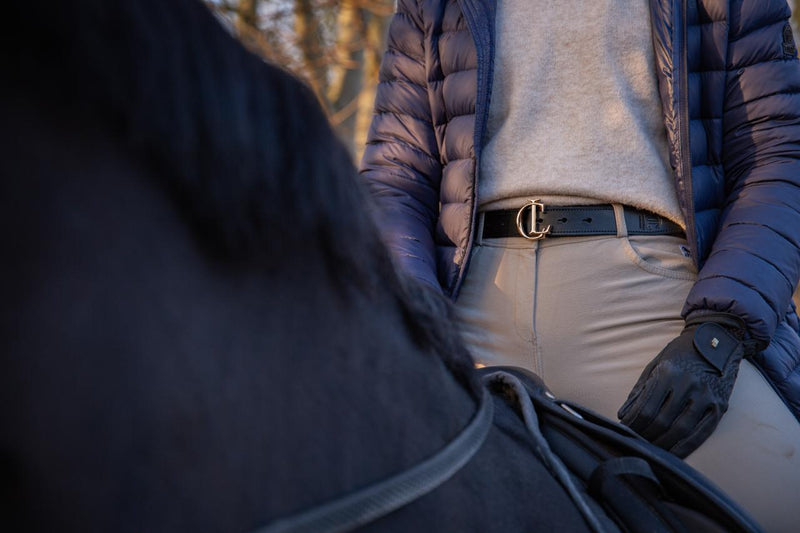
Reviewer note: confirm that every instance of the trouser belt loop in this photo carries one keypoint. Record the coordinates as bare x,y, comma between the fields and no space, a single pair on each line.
479,228
619,217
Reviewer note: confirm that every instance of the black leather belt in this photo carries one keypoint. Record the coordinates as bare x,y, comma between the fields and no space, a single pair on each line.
535,221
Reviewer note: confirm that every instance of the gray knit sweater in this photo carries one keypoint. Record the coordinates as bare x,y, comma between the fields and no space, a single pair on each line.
575,115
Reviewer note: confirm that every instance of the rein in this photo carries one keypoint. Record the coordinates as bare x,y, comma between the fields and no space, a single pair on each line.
379,499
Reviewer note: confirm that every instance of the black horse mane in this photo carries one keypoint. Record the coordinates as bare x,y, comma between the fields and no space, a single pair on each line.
242,147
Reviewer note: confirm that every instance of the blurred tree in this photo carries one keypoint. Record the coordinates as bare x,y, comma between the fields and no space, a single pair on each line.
795,5
335,45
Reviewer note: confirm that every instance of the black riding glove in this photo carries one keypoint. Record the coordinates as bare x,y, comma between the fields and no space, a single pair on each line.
682,394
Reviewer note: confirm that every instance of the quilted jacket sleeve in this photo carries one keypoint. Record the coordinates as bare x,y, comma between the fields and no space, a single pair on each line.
401,163
754,263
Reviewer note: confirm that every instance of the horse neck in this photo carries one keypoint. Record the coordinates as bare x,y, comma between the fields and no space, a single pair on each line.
198,376
355,375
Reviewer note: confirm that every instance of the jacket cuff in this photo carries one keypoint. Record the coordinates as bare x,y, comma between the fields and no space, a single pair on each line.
733,323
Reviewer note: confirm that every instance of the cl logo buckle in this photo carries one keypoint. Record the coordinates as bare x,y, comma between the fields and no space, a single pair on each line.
533,234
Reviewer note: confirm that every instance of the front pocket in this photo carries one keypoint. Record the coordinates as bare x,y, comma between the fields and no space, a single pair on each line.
662,255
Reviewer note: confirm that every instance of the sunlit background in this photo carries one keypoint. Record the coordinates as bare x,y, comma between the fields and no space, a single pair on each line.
336,46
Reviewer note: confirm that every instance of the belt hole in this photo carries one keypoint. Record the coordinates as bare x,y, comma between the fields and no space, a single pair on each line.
588,220
562,220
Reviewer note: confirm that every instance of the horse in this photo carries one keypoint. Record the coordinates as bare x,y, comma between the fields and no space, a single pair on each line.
201,329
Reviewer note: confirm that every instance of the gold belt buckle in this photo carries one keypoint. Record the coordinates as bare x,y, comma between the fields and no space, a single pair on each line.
533,234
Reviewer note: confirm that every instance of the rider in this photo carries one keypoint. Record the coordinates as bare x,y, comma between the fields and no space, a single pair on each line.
662,149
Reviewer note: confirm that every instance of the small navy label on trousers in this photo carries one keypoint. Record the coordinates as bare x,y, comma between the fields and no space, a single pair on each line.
650,222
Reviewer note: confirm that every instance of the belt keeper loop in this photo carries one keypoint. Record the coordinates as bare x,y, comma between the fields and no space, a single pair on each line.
619,217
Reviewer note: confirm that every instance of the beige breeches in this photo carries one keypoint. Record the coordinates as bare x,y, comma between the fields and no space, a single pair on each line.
588,313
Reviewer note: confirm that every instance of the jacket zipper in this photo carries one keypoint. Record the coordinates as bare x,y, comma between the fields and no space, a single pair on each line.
684,150
484,49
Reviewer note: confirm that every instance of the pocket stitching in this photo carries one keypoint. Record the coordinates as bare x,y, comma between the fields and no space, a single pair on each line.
643,264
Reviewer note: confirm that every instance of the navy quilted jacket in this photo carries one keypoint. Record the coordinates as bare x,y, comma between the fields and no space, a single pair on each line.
729,82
